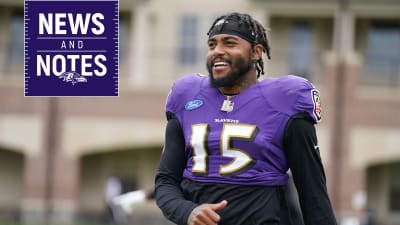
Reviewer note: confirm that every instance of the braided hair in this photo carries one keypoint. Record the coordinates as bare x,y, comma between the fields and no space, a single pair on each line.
255,28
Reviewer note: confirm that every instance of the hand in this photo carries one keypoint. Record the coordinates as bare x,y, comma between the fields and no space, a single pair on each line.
205,214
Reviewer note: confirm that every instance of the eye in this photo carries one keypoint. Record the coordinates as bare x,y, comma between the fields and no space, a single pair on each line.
211,45
230,43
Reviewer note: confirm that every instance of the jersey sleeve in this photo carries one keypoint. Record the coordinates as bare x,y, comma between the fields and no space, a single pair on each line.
308,100
293,95
174,97
182,90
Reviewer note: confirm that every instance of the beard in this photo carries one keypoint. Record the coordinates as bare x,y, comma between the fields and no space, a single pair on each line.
241,67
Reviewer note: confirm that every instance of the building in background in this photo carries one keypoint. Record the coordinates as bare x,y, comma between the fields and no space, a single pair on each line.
57,153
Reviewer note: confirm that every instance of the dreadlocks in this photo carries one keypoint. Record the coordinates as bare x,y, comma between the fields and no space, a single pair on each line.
254,33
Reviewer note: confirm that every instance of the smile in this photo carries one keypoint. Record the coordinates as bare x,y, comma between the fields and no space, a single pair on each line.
219,64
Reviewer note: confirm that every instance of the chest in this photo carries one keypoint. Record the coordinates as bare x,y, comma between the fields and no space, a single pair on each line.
250,126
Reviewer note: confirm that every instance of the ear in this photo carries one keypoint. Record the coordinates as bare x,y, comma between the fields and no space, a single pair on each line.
257,52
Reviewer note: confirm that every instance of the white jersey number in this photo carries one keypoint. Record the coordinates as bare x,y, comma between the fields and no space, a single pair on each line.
240,158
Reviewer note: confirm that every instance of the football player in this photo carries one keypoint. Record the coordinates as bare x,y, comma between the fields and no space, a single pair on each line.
231,138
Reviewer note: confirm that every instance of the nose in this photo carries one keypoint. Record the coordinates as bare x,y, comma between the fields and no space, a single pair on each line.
218,50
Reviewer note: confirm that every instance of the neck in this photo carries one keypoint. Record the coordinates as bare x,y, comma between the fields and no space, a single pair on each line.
239,86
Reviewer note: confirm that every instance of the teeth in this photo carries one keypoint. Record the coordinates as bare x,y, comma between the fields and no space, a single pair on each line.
220,64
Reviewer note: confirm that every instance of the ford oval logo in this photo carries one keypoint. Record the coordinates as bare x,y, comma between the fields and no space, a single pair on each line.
193,104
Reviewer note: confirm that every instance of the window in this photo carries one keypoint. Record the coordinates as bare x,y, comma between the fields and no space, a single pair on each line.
16,47
124,22
383,55
189,39
301,50
394,191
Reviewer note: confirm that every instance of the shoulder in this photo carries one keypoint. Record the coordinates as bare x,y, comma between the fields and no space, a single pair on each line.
286,83
183,88
186,81
189,84
293,94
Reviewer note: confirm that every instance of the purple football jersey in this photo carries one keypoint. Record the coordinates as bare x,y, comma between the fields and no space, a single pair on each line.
241,144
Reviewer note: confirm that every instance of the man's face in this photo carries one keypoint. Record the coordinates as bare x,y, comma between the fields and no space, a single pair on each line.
228,59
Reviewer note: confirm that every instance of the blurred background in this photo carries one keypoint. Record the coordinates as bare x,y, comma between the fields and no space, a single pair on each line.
56,154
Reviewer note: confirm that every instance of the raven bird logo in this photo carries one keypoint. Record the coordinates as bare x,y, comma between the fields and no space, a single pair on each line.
72,77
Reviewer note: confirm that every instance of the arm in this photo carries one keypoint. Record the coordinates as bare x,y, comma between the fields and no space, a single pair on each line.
303,158
168,192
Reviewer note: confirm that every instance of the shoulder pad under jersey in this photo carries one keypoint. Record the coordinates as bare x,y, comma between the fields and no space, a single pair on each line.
182,89
292,95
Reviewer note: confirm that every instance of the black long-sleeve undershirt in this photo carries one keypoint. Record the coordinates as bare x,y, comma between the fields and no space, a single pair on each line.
302,156
168,192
